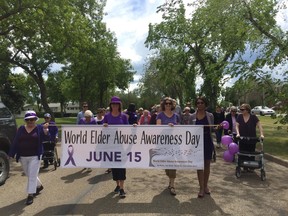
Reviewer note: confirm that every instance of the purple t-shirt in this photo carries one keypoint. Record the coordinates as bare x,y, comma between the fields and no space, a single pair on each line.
83,121
165,120
118,120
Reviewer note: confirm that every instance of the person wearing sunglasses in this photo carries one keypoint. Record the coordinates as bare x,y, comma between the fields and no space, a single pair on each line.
168,117
246,124
80,115
203,117
28,149
53,138
231,119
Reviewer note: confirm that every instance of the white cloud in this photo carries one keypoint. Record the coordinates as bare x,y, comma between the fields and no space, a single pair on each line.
129,20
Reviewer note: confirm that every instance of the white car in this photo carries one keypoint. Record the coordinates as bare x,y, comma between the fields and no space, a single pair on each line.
262,110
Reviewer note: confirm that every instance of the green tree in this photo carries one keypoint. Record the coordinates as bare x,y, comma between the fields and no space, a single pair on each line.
218,34
55,89
197,36
44,33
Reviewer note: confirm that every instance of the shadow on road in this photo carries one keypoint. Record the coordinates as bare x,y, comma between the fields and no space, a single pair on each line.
163,203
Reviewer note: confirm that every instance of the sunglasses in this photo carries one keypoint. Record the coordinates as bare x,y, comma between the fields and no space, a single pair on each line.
242,109
32,119
233,110
85,106
168,103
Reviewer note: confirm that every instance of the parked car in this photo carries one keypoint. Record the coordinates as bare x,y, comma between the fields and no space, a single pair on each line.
8,129
262,110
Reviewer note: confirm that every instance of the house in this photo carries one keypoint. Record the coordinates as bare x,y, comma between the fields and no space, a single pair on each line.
72,107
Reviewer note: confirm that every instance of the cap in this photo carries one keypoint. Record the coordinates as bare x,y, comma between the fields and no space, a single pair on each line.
30,115
47,115
115,99
88,113
140,109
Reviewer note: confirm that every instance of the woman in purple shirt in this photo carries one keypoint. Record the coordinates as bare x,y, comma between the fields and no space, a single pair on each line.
88,118
168,117
116,117
28,149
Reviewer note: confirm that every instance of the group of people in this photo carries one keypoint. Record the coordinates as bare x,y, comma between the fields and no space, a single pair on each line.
28,146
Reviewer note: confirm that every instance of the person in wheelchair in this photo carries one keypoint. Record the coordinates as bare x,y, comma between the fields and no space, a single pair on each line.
53,130
246,125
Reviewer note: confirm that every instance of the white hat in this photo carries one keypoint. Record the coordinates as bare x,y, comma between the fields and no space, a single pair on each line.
30,115
47,115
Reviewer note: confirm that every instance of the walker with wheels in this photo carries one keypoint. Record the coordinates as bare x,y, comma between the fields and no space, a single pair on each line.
250,160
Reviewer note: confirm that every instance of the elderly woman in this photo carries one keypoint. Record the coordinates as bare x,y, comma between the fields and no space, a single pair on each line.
185,116
231,119
246,124
145,118
88,118
168,117
28,148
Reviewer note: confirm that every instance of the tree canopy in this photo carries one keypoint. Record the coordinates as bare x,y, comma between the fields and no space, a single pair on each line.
216,37
37,34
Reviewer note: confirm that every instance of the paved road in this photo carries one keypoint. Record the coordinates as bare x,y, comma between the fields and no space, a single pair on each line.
76,192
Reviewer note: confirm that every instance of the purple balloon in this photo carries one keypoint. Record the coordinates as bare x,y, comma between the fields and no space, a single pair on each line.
227,156
226,140
225,125
233,148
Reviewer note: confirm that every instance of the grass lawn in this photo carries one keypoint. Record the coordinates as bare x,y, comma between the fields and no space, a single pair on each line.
276,137
275,142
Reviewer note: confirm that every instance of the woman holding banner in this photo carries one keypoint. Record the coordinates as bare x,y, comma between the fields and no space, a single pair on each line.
116,117
202,117
168,117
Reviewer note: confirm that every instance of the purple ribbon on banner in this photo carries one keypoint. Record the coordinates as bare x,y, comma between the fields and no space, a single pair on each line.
70,153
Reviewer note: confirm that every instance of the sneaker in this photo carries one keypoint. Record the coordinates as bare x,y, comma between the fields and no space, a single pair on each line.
117,189
89,170
29,200
172,191
122,194
38,189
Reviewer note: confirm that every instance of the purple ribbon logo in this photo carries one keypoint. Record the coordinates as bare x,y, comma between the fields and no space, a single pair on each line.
70,153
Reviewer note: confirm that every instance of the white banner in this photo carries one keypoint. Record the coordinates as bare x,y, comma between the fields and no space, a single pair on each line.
125,146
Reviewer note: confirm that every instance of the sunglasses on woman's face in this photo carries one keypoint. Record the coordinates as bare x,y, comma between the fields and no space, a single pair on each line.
32,119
